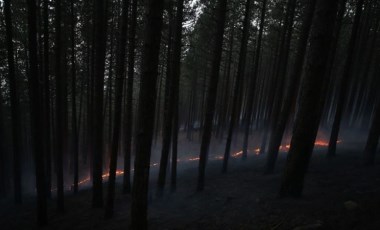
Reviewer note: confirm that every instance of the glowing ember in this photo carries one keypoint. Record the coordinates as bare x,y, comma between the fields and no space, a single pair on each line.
318,143
237,154
194,159
321,143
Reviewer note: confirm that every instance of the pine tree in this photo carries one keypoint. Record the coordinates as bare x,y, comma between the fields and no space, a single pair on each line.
221,11
309,102
15,106
120,68
146,112
36,116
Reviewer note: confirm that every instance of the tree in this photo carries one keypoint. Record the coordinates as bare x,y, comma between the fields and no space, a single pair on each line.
168,108
60,107
252,83
309,102
36,116
100,24
175,87
129,100
46,97
221,11
291,90
146,111
74,122
346,78
3,153
373,137
238,83
120,67
281,71
15,106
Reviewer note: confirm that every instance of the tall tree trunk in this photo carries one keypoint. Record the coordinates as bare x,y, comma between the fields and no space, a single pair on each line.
74,121
60,110
252,84
129,106
36,116
291,90
221,11
100,23
226,93
345,82
15,106
146,112
120,67
46,90
310,102
332,56
238,84
3,153
281,73
177,46
168,108
373,137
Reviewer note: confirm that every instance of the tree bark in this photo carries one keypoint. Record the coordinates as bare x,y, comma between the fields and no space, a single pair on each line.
119,82
15,106
36,116
3,153
310,103
146,112
47,101
100,23
236,101
291,90
129,106
252,84
345,82
60,110
221,11
176,74
74,122
168,108
373,137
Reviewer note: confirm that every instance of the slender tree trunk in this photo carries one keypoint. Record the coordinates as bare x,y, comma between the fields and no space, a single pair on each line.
149,68
74,121
332,55
46,90
345,82
176,74
3,153
252,84
36,116
129,106
168,109
310,102
226,93
15,106
221,11
281,73
60,103
119,82
373,137
291,90
100,23
238,84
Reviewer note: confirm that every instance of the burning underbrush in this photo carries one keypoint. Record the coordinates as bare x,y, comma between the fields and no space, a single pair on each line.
320,143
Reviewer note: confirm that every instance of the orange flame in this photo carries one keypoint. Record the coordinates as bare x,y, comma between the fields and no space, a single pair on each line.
318,143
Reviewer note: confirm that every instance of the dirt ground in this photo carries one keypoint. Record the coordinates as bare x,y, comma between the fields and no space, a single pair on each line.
339,194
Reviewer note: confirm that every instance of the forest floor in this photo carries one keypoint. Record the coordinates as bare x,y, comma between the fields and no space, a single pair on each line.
339,194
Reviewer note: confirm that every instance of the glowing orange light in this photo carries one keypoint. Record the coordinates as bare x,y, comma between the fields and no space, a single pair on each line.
256,151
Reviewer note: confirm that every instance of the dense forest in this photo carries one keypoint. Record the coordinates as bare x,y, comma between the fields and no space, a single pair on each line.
189,114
